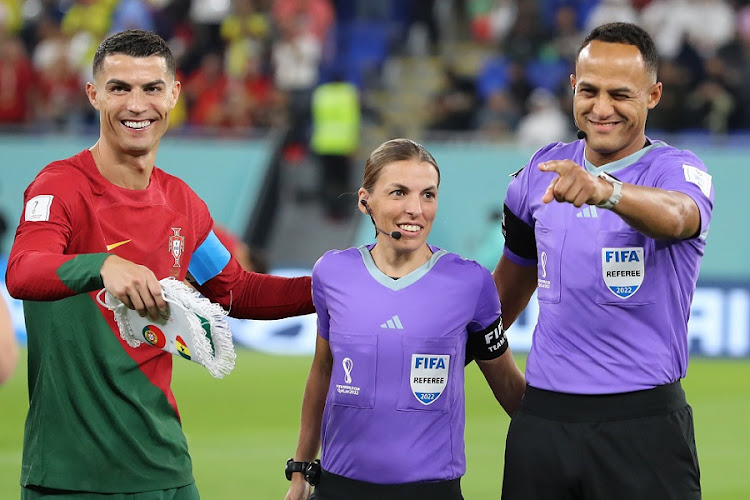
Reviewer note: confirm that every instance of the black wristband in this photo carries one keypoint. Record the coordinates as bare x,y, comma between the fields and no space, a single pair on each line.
292,467
311,470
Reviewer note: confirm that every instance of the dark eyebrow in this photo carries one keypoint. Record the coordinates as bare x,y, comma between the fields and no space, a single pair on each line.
618,90
397,185
121,83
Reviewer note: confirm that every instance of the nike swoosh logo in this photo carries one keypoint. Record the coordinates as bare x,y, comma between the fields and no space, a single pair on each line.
118,244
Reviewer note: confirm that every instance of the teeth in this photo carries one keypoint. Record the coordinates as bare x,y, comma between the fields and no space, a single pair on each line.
131,124
409,227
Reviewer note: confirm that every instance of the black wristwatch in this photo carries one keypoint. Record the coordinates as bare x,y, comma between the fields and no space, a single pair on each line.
292,467
311,470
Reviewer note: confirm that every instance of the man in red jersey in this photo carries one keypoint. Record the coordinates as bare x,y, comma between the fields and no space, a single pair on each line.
102,419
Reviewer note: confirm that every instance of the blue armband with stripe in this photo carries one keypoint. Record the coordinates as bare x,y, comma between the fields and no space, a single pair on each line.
208,259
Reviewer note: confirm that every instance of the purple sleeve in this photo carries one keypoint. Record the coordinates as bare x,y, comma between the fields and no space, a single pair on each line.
517,202
319,297
488,302
692,178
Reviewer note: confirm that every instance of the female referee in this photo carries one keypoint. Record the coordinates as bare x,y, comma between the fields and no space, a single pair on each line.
397,321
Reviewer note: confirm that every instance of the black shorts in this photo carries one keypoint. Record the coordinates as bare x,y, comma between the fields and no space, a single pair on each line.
334,487
635,445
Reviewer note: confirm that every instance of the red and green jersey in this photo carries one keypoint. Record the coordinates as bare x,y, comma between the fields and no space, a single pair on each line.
102,416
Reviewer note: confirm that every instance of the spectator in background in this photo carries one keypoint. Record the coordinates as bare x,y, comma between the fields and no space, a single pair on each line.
314,17
670,114
714,103
336,117
11,17
519,87
204,91
544,123
491,21
455,106
296,56
61,104
566,37
17,83
245,31
735,57
86,23
526,36
500,114
206,17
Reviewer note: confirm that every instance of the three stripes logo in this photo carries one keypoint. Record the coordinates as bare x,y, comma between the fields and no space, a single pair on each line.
393,324
589,211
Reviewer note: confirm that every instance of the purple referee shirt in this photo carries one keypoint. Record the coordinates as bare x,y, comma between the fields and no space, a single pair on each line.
613,303
394,411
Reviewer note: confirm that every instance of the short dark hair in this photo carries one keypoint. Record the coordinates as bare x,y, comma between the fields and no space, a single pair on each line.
134,43
390,152
628,34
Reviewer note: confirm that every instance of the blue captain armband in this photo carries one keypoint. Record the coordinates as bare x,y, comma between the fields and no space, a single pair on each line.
489,343
208,259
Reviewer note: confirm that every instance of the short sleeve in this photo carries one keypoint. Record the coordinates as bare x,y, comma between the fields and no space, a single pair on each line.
488,308
319,297
687,174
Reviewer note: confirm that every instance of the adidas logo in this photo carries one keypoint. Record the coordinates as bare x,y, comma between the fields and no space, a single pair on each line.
587,211
394,324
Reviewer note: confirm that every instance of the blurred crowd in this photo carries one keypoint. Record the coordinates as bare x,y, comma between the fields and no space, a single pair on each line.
523,88
249,65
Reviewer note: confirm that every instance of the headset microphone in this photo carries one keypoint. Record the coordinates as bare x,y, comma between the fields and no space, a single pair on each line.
581,134
396,235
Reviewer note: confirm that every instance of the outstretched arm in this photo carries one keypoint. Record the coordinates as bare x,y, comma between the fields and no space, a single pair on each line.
313,404
657,213
258,296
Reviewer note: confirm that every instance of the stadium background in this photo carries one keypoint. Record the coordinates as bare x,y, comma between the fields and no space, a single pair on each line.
481,83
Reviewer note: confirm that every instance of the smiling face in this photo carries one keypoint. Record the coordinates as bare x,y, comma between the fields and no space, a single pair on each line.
134,96
613,92
404,199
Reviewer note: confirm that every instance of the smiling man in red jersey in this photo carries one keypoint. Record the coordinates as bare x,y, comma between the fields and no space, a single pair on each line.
103,421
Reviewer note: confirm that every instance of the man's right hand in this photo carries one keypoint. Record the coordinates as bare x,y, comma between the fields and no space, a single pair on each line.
135,285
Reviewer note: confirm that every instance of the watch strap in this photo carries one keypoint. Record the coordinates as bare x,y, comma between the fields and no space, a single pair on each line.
292,466
614,199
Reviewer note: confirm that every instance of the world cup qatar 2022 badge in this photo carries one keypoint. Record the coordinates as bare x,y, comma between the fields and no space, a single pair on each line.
347,388
429,376
176,245
622,270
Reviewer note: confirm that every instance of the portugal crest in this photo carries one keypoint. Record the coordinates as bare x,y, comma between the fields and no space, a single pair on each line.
176,245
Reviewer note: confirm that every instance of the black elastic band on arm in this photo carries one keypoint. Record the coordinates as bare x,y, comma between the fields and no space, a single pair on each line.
519,236
489,343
